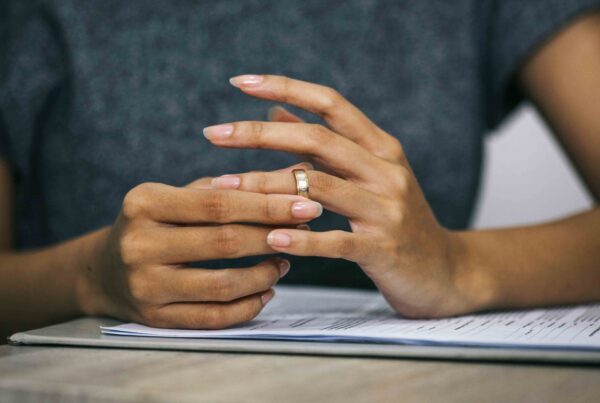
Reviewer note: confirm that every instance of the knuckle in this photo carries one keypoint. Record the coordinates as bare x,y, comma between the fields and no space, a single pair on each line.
216,206
131,248
401,180
321,181
395,212
214,317
318,136
395,150
222,285
137,200
270,211
227,241
260,181
284,96
346,245
331,99
140,288
255,132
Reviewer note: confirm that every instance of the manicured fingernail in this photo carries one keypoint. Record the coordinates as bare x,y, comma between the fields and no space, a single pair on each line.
246,80
266,297
284,267
226,182
307,209
218,132
279,239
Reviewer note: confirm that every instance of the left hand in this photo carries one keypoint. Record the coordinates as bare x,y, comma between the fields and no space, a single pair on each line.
395,236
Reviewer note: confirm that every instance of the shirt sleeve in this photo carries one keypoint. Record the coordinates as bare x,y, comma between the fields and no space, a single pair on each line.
516,29
31,67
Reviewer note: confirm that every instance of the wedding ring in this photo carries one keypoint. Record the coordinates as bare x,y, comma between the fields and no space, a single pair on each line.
301,182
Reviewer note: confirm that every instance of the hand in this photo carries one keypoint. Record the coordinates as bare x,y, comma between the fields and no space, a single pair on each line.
141,271
395,237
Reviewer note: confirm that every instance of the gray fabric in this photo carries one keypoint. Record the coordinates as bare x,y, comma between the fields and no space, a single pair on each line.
97,96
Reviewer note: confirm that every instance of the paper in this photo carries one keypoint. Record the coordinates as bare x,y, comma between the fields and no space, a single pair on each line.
325,314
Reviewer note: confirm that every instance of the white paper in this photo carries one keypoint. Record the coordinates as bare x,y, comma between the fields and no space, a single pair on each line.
325,314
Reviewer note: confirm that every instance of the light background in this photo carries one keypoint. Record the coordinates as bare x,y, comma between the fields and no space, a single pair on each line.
527,178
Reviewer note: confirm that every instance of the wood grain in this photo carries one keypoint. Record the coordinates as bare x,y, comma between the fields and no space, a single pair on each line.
32,374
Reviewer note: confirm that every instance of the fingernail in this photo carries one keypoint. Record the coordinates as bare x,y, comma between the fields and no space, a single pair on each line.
279,239
273,111
266,297
218,132
226,182
284,267
246,80
307,209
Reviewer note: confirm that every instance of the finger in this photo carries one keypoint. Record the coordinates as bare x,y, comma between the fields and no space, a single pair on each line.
333,244
206,182
202,183
168,204
178,245
279,114
335,194
211,315
341,115
326,147
222,285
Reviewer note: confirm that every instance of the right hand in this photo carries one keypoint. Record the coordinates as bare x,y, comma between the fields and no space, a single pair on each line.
141,272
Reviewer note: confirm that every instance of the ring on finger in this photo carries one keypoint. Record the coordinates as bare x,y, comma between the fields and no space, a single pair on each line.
301,182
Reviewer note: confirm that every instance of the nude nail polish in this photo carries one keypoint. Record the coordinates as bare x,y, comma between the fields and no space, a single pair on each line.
246,80
218,132
279,239
307,209
284,268
266,297
226,182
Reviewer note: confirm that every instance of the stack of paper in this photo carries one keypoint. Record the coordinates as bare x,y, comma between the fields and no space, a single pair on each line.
316,314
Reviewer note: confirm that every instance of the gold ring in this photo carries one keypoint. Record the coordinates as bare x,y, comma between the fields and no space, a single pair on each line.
301,182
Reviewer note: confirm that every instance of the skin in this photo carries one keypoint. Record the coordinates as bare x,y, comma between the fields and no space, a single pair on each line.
137,268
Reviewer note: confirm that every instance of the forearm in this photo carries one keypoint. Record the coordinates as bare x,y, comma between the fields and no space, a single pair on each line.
41,287
549,264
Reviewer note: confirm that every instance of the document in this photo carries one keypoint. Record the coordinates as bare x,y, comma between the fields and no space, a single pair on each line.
332,315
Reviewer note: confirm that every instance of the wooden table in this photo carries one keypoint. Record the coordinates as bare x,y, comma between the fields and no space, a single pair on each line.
33,374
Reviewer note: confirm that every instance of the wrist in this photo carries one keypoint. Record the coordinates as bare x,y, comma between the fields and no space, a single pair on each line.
90,298
474,285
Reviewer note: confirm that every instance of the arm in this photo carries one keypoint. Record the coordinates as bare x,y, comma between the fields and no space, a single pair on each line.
37,295
40,287
557,262
422,269
137,268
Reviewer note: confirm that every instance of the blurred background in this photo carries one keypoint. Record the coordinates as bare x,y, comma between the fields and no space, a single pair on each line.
527,178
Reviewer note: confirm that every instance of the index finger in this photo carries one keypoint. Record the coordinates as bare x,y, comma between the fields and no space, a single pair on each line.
339,113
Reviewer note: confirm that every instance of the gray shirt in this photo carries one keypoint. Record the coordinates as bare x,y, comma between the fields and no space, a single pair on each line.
97,96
